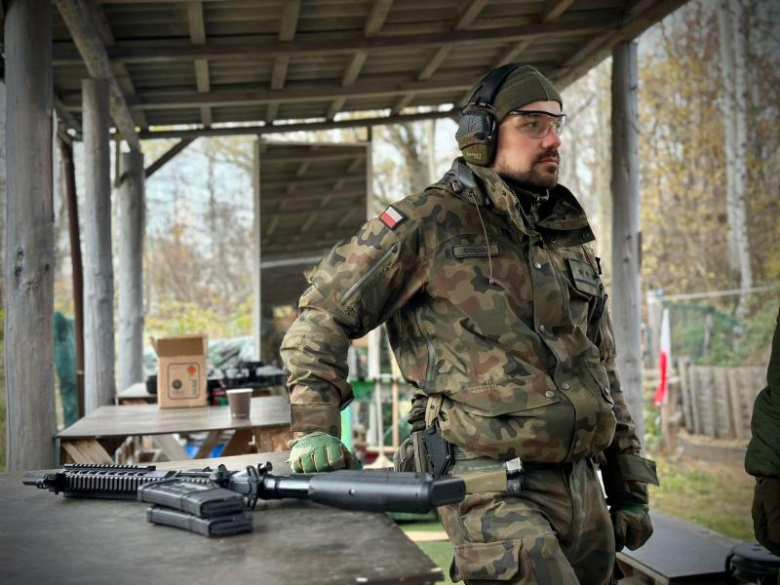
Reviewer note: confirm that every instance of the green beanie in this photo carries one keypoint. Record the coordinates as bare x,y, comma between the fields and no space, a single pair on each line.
523,86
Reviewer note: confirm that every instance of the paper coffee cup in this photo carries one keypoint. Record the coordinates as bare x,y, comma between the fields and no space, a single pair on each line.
239,400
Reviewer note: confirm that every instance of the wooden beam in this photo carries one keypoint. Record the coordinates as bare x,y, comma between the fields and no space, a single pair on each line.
99,382
274,223
554,8
376,18
309,195
640,18
354,68
356,164
66,117
118,69
515,50
317,211
302,169
289,23
77,267
298,94
470,14
29,237
77,17
167,156
165,52
466,19
197,30
283,128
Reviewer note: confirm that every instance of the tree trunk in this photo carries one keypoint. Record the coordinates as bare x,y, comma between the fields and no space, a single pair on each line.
626,296
734,108
29,266
99,383
131,260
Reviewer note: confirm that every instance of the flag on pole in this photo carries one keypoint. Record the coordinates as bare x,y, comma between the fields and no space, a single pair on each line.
664,360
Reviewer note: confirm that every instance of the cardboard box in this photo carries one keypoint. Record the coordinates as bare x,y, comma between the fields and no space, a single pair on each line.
181,371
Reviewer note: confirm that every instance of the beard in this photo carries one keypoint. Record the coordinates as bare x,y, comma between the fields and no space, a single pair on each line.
540,176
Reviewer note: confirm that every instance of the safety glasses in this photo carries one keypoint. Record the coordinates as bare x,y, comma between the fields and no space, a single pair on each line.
537,124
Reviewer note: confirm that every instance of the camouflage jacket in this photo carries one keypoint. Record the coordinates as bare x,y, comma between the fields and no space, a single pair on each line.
505,321
763,452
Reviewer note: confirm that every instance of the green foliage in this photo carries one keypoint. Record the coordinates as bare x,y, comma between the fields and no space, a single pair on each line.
712,337
172,317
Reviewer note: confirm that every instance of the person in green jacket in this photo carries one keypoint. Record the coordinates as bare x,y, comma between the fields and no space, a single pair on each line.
763,454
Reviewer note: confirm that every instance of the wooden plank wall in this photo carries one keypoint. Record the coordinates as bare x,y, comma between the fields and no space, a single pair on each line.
718,401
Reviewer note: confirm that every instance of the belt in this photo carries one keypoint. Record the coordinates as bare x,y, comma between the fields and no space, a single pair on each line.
492,475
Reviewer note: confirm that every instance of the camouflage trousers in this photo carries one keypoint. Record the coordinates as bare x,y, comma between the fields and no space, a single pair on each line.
557,532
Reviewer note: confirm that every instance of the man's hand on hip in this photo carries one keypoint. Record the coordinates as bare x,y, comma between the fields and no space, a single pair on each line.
320,451
632,525
766,513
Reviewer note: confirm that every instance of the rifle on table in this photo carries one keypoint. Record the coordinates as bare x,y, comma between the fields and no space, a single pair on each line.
212,501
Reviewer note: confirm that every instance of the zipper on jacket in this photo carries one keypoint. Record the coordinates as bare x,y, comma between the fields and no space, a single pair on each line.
429,369
368,274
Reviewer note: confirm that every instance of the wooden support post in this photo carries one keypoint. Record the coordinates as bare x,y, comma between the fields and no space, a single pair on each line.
29,263
78,18
131,256
626,295
99,384
257,287
77,267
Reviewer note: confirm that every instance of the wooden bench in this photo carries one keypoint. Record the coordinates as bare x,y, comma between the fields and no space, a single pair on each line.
678,552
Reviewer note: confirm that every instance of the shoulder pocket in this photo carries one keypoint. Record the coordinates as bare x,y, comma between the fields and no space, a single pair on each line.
369,275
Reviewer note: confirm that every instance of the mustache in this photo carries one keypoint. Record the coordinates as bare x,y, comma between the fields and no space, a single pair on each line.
553,154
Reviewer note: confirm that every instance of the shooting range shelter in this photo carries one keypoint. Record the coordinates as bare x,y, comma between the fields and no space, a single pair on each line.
138,65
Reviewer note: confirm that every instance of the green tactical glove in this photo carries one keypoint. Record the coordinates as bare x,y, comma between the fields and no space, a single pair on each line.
631,522
766,513
320,452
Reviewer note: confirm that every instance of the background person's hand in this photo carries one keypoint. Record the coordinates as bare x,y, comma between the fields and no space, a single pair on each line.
320,451
631,522
766,513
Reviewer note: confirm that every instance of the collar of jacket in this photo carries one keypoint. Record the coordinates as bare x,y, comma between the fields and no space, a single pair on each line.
490,190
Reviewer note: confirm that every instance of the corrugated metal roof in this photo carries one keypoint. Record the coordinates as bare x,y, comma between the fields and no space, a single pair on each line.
265,61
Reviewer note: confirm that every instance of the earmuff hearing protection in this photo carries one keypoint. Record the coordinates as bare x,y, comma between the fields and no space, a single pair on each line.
477,127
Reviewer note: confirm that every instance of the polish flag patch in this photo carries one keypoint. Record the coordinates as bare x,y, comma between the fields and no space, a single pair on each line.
392,217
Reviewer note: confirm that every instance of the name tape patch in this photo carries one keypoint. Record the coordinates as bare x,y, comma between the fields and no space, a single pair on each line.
392,217
475,251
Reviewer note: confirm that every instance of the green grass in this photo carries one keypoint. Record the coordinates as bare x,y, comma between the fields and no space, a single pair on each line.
439,552
716,495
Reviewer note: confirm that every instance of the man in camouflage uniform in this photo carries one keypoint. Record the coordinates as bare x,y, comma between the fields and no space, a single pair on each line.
496,314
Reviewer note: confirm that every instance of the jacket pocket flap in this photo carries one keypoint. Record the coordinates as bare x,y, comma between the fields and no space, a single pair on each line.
498,399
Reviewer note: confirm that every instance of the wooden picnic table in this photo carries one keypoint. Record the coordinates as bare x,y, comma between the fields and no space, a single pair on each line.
93,438
48,539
